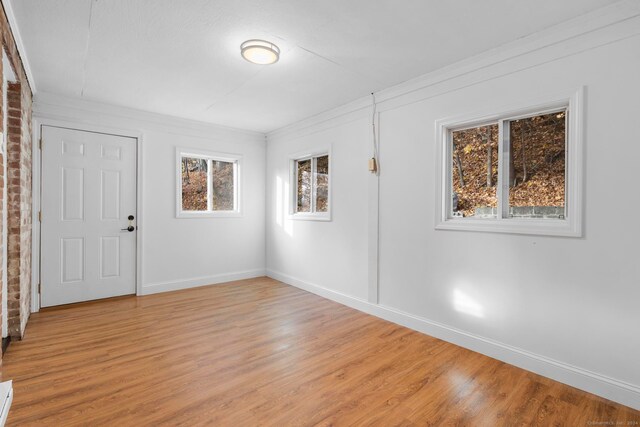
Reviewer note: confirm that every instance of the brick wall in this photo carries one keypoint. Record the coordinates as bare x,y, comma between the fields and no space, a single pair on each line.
2,230
19,203
19,194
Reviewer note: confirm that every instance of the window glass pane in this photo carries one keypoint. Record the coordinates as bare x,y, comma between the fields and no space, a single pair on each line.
194,184
304,186
537,166
222,182
474,170
322,184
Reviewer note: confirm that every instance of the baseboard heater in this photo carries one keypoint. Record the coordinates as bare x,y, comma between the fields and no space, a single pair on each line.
6,396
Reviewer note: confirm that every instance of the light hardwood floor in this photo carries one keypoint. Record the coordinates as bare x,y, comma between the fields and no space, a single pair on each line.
258,352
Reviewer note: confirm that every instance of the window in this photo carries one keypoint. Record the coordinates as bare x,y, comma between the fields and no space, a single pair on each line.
518,172
207,184
310,182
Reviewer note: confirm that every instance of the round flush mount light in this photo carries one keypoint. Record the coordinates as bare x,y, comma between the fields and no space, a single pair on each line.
260,52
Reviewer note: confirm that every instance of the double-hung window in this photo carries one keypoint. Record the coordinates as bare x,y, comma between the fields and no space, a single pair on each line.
518,171
310,184
208,184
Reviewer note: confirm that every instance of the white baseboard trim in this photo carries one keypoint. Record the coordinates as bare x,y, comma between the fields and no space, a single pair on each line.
154,288
601,385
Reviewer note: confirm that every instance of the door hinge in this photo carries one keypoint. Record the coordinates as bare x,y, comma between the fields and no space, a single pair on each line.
39,288
39,216
40,144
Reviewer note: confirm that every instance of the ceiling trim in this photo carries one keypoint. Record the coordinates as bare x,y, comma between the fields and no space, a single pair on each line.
73,109
15,30
550,43
572,29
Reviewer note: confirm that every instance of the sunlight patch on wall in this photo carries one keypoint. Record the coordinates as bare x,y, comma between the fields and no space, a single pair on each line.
282,206
288,223
463,303
279,201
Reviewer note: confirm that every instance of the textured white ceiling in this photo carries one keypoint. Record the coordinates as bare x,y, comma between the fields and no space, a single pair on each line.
182,58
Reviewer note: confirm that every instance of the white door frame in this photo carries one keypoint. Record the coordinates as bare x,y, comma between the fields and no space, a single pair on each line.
43,120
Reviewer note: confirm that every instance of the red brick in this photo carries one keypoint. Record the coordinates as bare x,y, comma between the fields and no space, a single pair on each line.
18,160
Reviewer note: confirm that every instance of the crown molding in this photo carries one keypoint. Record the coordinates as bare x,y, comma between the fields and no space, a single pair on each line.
15,30
47,105
601,26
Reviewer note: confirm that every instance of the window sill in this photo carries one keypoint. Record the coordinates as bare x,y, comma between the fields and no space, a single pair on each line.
310,216
548,227
220,214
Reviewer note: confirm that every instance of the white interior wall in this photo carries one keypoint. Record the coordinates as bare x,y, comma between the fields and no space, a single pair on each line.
562,307
323,252
184,252
197,251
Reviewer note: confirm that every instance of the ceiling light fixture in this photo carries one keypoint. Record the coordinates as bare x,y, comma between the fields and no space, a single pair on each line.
260,52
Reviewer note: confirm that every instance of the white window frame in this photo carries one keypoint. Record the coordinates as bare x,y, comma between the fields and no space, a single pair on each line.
209,156
293,185
571,225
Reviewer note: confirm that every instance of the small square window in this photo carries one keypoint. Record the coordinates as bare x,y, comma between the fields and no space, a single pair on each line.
513,172
207,184
310,181
535,174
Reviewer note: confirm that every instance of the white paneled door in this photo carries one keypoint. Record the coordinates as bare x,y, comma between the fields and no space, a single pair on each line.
88,216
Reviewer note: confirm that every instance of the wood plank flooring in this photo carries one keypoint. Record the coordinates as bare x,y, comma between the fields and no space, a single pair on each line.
258,352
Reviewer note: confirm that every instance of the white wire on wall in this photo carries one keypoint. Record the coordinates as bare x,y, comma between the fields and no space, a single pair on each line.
373,162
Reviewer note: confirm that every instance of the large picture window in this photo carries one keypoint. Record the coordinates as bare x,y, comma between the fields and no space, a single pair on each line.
518,171
207,184
310,181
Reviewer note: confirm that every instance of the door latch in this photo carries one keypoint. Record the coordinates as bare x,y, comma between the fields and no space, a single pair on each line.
130,228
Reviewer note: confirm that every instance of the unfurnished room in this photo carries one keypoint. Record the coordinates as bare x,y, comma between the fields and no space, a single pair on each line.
320,213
